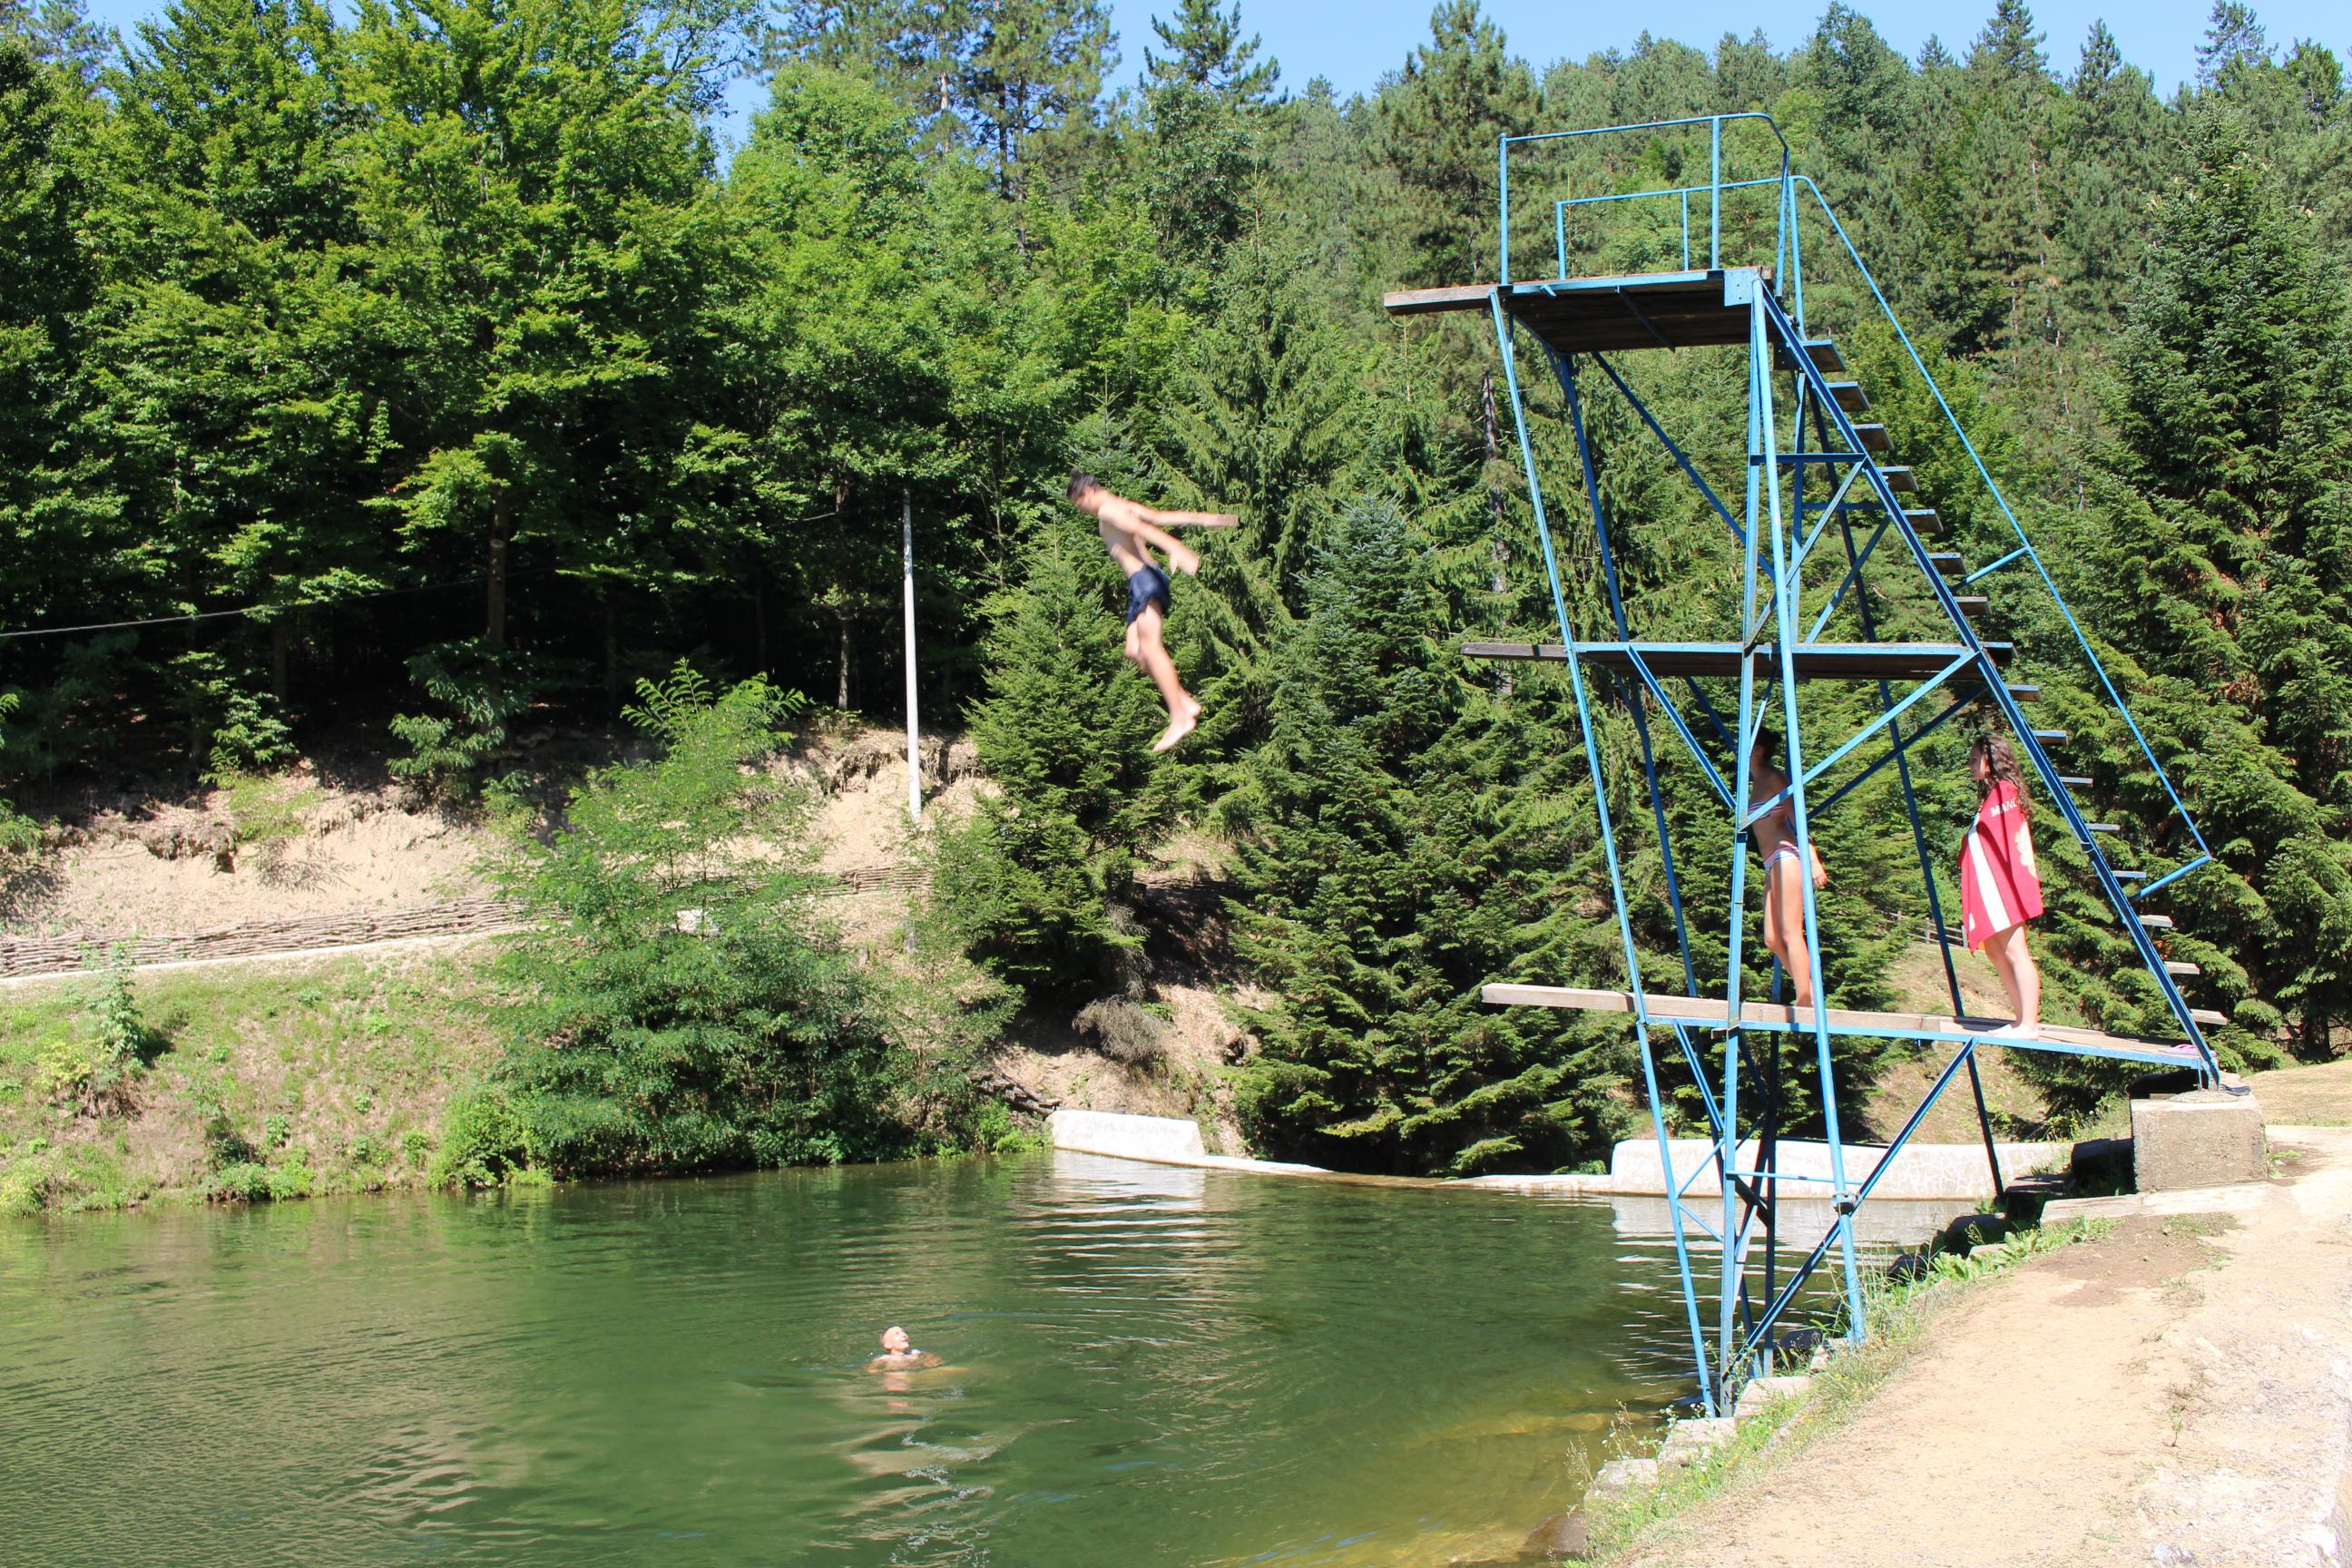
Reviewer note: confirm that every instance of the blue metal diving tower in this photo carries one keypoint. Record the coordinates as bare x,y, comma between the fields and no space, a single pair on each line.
1828,532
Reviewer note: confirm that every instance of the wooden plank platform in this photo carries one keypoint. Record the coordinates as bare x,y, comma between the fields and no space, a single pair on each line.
1819,661
1603,315
1711,1013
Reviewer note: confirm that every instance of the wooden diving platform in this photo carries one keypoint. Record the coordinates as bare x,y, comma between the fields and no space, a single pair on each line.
1601,315
1816,662
1778,1018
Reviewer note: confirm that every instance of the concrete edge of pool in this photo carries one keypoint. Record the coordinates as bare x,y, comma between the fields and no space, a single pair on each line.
1930,1173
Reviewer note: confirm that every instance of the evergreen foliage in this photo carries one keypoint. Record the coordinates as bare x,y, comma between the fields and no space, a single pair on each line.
1386,880
1032,883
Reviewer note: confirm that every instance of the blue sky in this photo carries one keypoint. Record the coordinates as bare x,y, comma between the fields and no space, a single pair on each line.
1353,42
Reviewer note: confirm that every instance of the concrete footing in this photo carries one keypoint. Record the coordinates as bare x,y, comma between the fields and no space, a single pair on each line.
1624,1476
1762,1393
2207,1138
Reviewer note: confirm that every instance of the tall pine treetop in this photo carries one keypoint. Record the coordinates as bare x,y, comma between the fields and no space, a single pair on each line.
1206,50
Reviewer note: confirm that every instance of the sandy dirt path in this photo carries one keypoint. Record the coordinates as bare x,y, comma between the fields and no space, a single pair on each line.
2177,1393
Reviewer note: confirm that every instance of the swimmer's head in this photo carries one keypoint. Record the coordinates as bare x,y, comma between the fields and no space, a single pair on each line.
895,1341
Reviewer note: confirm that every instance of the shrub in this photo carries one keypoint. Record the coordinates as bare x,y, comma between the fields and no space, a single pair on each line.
481,1141
634,1045
480,694
1124,1031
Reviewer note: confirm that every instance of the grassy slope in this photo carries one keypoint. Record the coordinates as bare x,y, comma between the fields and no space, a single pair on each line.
334,1070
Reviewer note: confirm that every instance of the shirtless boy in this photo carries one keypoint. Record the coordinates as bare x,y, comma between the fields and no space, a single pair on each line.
1130,533
1784,895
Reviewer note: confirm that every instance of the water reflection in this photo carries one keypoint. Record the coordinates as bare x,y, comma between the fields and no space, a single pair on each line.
1143,1364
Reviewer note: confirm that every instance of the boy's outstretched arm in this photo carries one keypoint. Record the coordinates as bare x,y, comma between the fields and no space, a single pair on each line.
1189,518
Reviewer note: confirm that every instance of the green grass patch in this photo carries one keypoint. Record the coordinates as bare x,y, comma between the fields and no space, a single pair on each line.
257,1081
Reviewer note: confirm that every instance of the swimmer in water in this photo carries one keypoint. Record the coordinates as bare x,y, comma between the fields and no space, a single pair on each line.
898,1353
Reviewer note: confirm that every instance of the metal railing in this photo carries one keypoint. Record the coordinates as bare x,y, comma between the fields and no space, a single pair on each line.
1716,186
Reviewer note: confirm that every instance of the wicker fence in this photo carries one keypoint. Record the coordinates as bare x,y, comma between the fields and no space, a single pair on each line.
63,953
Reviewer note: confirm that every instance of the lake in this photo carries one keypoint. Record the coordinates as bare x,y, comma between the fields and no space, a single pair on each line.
1144,1365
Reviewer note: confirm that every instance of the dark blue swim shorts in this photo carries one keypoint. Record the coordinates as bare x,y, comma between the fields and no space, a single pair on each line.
1146,588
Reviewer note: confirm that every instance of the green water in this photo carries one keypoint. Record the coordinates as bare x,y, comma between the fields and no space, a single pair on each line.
1145,1366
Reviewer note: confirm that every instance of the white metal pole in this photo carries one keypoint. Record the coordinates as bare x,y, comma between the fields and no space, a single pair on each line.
907,574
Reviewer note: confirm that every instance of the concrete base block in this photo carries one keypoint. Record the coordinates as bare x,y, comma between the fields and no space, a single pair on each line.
2207,1139
1625,1475
1158,1138
2244,1198
1764,1391
1693,1440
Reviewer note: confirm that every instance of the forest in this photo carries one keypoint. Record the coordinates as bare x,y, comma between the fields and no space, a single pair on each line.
423,374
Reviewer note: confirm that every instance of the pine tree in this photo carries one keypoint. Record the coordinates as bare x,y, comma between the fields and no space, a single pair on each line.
1032,73
1031,883
2222,535
2234,42
1206,51
1437,123
1204,101
1384,879
59,32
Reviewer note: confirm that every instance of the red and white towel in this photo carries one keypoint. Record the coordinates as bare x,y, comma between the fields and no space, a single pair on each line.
2000,884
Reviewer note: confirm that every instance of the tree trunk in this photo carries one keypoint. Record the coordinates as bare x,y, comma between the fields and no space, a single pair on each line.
759,614
611,650
280,654
841,686
494,633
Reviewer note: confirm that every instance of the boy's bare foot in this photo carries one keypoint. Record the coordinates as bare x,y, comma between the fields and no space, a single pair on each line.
2016,1032
1178,728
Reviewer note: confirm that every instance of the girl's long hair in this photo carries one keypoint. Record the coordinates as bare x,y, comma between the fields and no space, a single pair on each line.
2001,759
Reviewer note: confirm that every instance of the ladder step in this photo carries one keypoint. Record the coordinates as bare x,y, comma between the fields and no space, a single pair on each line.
1849,396
2051,737
1899,479
2173,966
2156,922
2126,875
1923,520
2101,827
2207,1018
1823,353
2074,781
2024,691
1970,604
1875,437
1948,563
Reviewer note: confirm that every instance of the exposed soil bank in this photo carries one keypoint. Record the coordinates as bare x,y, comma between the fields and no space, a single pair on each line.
2179,1391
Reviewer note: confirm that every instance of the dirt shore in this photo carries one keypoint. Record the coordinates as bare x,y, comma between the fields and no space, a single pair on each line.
2178,1392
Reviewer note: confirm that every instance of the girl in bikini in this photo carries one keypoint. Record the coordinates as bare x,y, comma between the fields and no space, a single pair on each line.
2000,884
1784,889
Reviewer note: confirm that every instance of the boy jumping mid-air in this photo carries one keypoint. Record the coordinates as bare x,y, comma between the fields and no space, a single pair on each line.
1130,533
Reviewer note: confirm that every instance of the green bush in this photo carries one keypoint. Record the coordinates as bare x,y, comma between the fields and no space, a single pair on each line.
676,1005
481,1141
478,694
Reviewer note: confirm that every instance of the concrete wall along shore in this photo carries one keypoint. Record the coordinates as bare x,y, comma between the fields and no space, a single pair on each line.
1927,1173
